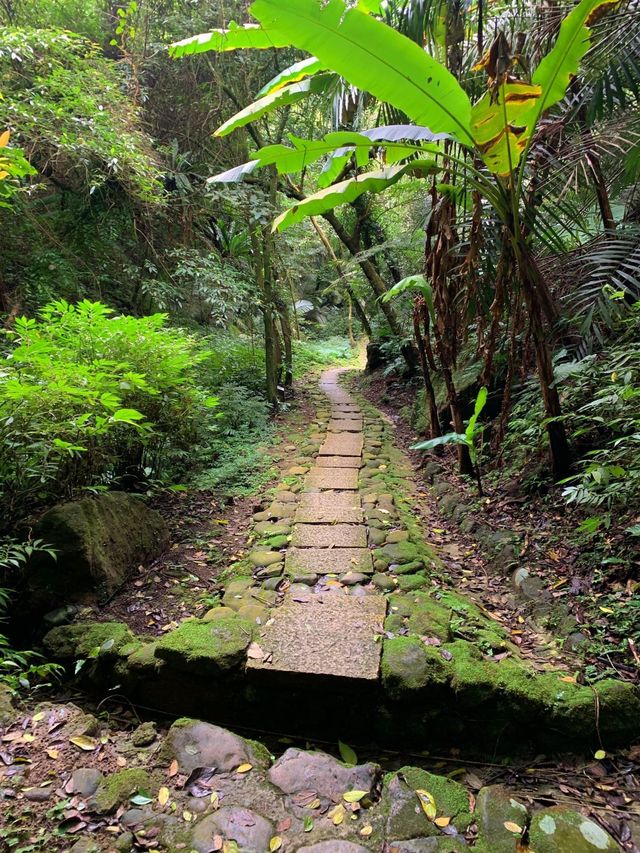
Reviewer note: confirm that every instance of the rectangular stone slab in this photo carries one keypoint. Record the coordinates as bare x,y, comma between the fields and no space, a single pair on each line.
329,536
322,500
330,515
332,478
345,426
338,462
328,634
328,561
342,444
346,414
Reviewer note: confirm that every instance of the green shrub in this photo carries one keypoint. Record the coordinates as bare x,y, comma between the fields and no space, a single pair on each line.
87,399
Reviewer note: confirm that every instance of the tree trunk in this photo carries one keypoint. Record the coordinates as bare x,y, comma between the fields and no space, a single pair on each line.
558,444
434,420
285,325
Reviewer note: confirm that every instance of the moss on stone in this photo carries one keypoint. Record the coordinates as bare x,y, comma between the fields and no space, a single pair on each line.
82,639
409,667
410,583
143,660
562,830
116,788
206,647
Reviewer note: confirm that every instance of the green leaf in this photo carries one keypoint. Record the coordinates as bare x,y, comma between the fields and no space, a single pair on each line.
481,401
634,530
235,38
449,438
373,57
347,754
284,97
560,65
349,190
127,415
141,799
293,74
410,284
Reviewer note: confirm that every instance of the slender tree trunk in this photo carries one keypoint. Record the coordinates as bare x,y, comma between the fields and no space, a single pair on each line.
558,444
434,420
285,325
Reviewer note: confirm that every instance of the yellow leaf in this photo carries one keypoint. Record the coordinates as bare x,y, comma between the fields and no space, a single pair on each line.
83,742
28,738
428,804
600,754
3,175
606,610
173,768
4,141
275,843
163,796
52,753
354,796
337,814
314,804
442,821
244,768
366,830
512,827
187,816
569,679
37,717
215,800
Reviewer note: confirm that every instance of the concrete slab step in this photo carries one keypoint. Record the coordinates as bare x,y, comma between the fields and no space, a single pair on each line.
324,634
329,536
332,478
338,462
345,425
328,561
342,444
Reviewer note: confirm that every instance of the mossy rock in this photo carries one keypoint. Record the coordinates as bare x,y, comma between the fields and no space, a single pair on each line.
143,661
562,830
495,806
118,787
405,817
99,541
83,638
408,667
411,583
7,709
399,552
206,648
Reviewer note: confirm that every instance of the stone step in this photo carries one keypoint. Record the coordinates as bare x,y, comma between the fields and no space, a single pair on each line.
323,634
338,462
329,536
328,561
328,515
346,414
345,425
322,500
332,478
342,444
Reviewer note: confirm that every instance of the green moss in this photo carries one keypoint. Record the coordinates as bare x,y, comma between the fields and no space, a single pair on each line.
561,830
451,798
143,660
409,667
84,638
410,583
206,647
116,788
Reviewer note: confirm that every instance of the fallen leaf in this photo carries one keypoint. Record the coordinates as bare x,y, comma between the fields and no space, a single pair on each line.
337,814
284,824
512,827
52,753
255,652
366,830
354,796
163,796
428,804
275,844
307,824
173,769
442,821
244,768
215,800
600,754
187,816
83,742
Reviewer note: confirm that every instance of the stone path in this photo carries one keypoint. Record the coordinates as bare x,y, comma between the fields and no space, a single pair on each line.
329,539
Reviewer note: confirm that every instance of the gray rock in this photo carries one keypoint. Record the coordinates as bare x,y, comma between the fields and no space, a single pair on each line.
430,845
298,770
135,817
37,795
495,805
85,781
99,541
85,845
124,842
144,735
575,642
562,830
334,847
196,744
353,578
384,582
249,830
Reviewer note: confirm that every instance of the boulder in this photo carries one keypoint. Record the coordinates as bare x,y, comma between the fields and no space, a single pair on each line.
86,781
562,830
496,806
116,789
206,648
298,770
99,541
251,832
405,816
195,744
